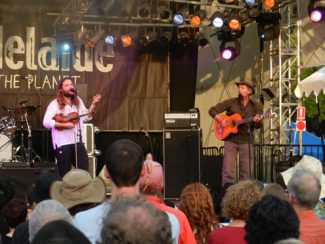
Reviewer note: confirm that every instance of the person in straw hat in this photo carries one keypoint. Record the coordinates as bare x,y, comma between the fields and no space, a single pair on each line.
237,142
78,191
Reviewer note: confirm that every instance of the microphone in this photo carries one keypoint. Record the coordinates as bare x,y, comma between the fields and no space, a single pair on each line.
74,91
241,98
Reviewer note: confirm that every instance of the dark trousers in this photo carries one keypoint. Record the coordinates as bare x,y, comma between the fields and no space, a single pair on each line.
65,157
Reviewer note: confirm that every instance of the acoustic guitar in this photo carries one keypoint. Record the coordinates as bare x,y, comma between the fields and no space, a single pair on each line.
233,122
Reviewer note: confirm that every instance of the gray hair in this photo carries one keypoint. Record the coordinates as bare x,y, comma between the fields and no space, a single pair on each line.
305,188
47,211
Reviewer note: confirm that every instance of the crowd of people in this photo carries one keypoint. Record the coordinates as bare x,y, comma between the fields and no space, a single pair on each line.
73,207
77,209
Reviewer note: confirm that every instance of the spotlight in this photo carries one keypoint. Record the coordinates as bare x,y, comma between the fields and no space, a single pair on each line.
165,37
316,11
217,19
229,53
178,19
184,38
65,46
268,26
128,39
144,11
249,2
234,21
148,38
197,18
201,39
92,41
164,12
109,40
268,4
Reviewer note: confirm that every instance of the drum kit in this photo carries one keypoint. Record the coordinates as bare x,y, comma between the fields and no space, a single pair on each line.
16,124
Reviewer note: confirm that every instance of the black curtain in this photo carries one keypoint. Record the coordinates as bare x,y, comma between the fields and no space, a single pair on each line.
183,70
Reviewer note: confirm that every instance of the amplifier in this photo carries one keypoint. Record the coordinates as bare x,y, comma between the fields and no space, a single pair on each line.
182,120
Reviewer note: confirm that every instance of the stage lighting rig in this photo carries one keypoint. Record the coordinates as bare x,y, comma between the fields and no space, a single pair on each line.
229,50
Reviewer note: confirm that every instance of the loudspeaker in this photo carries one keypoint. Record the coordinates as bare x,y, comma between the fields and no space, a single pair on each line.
182,156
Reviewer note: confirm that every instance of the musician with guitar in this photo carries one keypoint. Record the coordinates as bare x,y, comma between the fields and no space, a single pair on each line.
236,129
65,116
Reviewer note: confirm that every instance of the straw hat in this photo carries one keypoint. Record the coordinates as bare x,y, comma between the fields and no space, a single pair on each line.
77,187
307,163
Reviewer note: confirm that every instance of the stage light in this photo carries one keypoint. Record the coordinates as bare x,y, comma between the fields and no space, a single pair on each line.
165,37
144,11
316,11
233,20
268,26
227,52
228,1
249,2
183,38
178,19
97,36
109,40
217,19
65,46
163,12
268,4
147,38
198,16
128,39
201,39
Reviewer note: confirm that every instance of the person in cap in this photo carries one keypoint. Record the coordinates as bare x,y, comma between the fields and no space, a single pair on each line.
242,141
78,191
151,185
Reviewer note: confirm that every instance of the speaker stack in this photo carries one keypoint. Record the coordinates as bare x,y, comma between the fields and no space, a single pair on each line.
182,156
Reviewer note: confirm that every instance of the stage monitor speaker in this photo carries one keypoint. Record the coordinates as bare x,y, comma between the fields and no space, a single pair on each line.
182,156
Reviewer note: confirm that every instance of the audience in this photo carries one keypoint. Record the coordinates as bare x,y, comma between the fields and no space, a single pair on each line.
59,232
7,192
45,212
239,198
40,191
275,189
304,191
271,219
14,212
133,220
151,185
124,163
196,202
78,191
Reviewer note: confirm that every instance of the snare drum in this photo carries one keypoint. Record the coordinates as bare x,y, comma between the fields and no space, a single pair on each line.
7,125
5,148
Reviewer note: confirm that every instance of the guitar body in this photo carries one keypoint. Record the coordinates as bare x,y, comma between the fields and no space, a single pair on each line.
232,127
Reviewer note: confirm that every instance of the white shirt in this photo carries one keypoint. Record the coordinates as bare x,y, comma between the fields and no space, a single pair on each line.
66,136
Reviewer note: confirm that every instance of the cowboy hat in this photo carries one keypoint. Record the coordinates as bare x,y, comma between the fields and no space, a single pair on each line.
247,83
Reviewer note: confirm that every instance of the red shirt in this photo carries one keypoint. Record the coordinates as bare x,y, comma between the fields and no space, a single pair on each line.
186,235
227,235
312,228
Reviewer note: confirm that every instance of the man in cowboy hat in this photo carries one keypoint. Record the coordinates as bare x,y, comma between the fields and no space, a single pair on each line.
242,141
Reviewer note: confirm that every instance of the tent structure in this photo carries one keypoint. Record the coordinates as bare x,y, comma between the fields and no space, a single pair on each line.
312,84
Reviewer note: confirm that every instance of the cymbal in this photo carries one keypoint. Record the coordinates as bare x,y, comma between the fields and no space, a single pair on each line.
29,109
22,102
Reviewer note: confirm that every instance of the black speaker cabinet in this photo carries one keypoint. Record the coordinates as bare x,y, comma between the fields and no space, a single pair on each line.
182,153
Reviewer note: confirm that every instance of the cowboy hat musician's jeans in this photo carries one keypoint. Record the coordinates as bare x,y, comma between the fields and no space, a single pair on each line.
65,156
246,160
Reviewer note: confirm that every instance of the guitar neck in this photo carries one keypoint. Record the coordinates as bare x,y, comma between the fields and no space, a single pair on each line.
244,121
